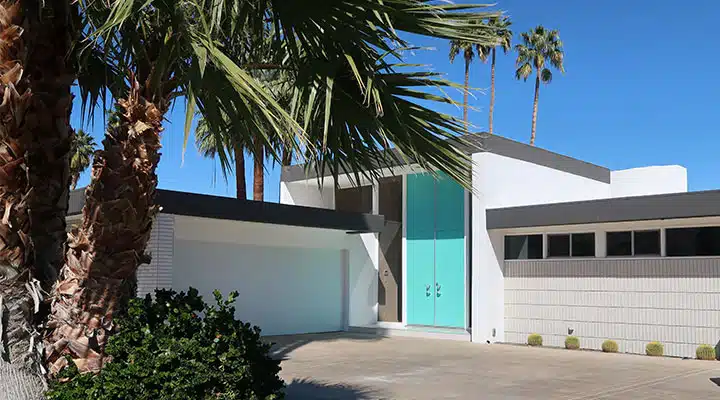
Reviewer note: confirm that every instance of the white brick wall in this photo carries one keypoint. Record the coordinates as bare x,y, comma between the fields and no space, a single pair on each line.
632,301
158,274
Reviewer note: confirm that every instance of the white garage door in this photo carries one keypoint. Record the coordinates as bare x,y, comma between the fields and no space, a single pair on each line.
283,290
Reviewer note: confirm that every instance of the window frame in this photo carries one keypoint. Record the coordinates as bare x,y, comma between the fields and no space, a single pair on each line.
633,253
696,228
527,238
570,247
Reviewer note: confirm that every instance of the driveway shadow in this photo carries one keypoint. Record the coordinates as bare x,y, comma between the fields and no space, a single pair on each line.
308,389
283,345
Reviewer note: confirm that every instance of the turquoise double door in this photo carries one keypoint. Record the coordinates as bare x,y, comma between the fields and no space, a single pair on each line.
435,252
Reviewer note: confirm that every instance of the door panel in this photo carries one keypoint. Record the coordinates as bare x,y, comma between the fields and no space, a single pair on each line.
390,239
421,290
390,274
421,203
450,205
450,279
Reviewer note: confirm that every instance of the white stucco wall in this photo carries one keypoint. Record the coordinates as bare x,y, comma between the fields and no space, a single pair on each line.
290,279
308,193
507,182
648,180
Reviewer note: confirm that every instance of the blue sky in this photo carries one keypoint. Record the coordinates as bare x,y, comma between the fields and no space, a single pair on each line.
636,92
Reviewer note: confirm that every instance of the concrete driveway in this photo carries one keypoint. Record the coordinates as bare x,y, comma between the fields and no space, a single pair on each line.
355,366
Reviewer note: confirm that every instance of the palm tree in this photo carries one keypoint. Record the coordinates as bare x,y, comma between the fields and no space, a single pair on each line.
207,145
504,41
82,148
349,101
540,49
468,49
34,145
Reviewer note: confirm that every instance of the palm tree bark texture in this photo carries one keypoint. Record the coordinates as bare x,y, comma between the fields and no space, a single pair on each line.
105,251
31,123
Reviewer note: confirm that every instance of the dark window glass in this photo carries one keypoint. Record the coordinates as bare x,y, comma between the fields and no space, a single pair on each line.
523,247
583,244
647,243
685,242
354,199
558,246
619,243
535,247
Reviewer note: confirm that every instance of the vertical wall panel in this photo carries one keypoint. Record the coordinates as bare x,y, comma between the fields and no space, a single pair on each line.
632,301
158,274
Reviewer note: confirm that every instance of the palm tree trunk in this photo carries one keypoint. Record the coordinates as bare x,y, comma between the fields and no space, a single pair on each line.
286,157
466,93
50,74
74,182
492,92
258,172
106,250
241,188
34,145
535,109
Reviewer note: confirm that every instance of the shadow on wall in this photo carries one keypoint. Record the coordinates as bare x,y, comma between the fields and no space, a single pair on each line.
308,389
285,344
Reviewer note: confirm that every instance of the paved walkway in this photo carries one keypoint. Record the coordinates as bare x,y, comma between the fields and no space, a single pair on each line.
353,366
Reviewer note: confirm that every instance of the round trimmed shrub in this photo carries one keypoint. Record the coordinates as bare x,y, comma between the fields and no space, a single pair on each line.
655,349
705,352
610,346
177,347
534,340
572,343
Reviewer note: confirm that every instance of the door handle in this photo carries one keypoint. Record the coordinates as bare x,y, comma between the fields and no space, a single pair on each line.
427,291
437,289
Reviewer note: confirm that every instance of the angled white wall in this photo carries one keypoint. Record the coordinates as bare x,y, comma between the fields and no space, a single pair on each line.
308,193
508,182
648,180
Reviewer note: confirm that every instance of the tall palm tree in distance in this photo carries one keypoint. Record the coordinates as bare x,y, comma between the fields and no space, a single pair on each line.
468,50
540,49
504,41
82,148
207,144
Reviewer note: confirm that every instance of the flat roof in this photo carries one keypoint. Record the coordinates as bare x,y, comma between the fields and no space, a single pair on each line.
227,208
619,209
484,142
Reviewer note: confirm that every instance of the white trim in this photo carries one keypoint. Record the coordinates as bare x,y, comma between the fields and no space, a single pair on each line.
466,248
345,277
404,296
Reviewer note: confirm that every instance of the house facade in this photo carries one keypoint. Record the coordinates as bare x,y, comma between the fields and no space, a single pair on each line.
545,243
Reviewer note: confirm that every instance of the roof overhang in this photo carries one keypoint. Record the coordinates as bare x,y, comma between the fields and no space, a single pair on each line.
216,207
479,143
636,208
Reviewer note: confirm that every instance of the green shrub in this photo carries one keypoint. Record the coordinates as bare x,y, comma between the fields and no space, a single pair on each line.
534,340
572,343
610,346
654,349
166,350
705,352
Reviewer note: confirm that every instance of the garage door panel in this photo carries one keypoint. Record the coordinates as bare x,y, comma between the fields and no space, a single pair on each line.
282,290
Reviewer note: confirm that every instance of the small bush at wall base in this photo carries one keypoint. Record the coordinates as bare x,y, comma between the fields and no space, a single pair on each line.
655,349
610,346
176,347
572,343
705,352
534,340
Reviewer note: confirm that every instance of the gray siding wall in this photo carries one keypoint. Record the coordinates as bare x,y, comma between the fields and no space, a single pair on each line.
158,274
632,301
